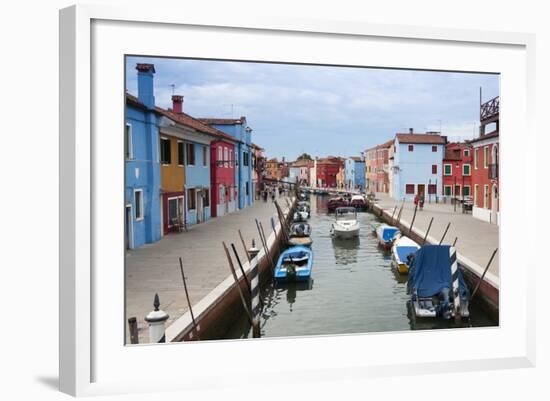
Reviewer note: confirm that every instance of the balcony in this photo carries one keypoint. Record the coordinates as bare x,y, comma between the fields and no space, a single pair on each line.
493,171
490,109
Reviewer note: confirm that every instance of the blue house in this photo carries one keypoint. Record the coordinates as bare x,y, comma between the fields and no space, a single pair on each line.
355,173
239,129
417,168
142,168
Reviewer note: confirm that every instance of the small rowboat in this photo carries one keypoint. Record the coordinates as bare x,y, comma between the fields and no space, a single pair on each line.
334,203
294,264
386,235
402,249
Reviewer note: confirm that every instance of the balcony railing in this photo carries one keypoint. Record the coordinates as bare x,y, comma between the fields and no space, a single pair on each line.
493,171
489,109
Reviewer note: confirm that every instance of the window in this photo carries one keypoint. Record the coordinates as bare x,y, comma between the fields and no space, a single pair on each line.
457,190
447,190
486,157
231,158
190,154
206,198
181,154
220,157
165,151
245,158
486,196
409,189
466,153
447,169
432,189
192,198
247,189
128,152
476,157
434,168
466,190
411,148
465,169
138,203
476,193
205,155
434,148
226,163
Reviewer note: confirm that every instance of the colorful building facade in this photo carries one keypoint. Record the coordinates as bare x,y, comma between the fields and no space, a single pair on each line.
142,168
327,169
457,170
355,173
485,171
417,165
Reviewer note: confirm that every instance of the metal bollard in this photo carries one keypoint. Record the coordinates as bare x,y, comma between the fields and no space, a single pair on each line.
253,251
156,319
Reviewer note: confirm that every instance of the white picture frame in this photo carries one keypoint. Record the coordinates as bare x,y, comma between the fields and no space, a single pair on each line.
95,361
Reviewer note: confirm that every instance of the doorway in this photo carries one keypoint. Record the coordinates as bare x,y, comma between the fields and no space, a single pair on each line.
421,190
200,207
494,205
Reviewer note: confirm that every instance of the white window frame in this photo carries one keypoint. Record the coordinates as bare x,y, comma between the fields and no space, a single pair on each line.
220,155
128,137
476,194
450,192
141,206
485,196
486,157
205,156
225,157
445,165
469,190
466,152
180,199
469,170
476,158
231,162
164,138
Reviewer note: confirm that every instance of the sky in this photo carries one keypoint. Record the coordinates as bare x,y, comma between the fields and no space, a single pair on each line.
321,110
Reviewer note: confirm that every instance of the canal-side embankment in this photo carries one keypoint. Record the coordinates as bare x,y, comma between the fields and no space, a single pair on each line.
218,311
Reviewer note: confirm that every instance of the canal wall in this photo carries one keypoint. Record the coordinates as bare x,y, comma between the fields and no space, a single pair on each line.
488,292
217,312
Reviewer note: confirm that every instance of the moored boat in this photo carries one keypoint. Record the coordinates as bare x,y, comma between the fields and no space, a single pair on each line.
402,250
300,234
336,202
358,202
436,285
346,224
386,235
294,264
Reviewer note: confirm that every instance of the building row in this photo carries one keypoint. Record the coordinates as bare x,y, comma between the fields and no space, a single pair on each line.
426,164
181,170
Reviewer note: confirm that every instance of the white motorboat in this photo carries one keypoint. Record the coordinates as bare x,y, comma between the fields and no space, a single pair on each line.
346,224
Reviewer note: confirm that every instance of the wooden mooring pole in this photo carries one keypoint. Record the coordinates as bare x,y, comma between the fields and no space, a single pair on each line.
241,268
483,275
255,301
427,231
232,268
394,209
445,233
244,245
414,217
195,327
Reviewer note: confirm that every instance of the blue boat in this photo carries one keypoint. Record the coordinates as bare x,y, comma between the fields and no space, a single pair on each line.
386,235
402,250
430,284
294,264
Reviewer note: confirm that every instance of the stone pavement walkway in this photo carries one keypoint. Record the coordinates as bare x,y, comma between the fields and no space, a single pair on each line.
476,239
154,268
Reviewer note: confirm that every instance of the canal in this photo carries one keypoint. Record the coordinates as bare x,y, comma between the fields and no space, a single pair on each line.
353,289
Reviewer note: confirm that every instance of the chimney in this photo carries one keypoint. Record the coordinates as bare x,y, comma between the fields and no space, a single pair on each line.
146,93
410,130
177,104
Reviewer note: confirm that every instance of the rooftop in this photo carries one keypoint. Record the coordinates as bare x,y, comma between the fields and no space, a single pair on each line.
421,139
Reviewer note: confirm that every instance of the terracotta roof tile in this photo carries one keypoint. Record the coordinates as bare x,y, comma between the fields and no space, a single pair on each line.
421,139
222,121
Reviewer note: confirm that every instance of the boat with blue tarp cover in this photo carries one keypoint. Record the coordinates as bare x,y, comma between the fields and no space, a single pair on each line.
402,250
434,291
294,264
386,235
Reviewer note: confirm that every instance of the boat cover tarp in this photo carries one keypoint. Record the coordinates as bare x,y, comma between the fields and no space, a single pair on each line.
404,251
389,233
431,272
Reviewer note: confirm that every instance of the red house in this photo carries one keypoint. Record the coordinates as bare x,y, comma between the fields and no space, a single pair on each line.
457,170
222,176
327,169
485,165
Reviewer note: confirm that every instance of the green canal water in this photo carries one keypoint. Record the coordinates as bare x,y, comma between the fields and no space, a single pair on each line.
353,290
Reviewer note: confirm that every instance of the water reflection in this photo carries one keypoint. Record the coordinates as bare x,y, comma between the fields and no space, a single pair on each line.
345,250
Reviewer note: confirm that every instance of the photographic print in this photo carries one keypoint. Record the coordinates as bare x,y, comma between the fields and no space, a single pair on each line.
268,200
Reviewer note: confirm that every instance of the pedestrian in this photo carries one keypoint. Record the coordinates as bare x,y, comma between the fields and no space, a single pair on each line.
421,201
416,200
